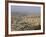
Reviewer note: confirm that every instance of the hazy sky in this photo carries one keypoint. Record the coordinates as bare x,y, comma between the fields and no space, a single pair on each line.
25,9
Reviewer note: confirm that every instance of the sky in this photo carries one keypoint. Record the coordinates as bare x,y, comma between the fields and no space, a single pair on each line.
25,9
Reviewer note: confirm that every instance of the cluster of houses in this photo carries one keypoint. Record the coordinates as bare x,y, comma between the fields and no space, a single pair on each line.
32,20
